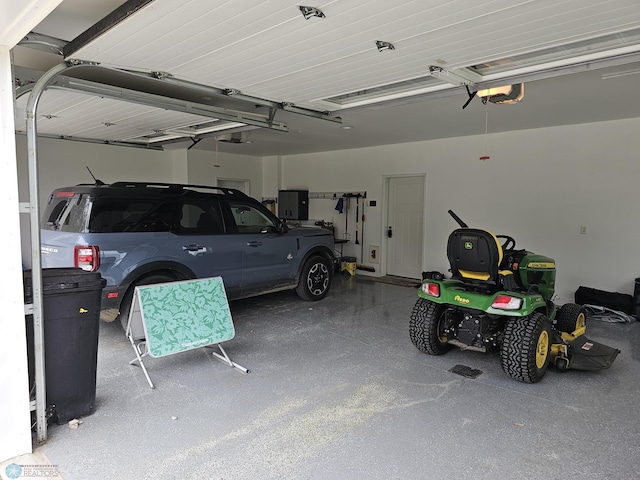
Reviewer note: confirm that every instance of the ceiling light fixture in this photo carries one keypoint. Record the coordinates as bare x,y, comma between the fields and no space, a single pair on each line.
502,95
308,12
382,45
195,131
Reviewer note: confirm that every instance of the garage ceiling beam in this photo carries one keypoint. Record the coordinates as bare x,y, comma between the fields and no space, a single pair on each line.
101,142
178,105
120,14
237,94
158,101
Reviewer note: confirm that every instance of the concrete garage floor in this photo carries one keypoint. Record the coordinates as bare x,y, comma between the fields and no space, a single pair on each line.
337,391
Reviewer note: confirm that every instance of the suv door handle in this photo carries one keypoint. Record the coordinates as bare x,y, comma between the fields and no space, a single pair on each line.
194,249
254,244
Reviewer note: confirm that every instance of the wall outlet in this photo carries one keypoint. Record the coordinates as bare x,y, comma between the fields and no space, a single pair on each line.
583,229
374,254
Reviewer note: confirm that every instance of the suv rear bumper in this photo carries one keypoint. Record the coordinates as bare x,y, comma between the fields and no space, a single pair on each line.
111,300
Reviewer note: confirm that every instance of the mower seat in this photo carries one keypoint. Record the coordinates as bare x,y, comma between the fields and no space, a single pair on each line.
475,256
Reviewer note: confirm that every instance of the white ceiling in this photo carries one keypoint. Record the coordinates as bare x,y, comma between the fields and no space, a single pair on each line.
267,49
118,119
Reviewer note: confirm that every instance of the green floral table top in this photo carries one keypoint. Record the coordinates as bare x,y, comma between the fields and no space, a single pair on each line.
181,316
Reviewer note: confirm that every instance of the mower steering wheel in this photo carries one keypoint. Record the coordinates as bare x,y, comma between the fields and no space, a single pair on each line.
509,242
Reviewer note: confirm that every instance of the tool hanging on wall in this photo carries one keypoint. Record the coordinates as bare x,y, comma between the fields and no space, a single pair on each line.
357,215
362,236
360,266
346,217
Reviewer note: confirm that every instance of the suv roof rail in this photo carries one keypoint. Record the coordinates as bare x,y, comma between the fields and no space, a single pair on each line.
178,186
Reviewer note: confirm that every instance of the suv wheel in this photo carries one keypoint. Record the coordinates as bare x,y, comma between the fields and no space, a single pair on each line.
315,279
125,306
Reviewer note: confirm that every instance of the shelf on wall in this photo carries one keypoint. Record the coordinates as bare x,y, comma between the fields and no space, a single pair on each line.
336,195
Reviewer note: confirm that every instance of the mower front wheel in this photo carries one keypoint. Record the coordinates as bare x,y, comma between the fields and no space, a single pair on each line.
571,316
426,327
525,354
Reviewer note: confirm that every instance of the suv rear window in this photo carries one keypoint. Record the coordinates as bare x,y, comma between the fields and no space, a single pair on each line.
68,213
127,215
201,216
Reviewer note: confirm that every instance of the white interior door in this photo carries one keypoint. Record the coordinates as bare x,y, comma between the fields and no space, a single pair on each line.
405,224
242,185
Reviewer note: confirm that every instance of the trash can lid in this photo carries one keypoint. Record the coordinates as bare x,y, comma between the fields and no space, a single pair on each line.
55,279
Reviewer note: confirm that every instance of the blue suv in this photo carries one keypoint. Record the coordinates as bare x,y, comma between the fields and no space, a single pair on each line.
144,233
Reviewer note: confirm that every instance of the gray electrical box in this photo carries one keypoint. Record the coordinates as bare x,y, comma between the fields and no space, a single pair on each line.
293,204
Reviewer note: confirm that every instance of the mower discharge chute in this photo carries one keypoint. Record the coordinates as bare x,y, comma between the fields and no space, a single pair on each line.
501,298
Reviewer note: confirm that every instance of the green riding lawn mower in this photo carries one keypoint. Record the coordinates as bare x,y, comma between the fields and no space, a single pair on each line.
501,298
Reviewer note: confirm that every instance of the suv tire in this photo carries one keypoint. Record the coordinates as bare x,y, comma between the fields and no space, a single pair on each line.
125,306
315,279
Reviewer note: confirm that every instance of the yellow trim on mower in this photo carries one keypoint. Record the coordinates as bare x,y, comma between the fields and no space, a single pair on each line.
541,265
542,349
568,337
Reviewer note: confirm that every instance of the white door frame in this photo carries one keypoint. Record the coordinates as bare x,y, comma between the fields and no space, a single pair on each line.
246,183
385,218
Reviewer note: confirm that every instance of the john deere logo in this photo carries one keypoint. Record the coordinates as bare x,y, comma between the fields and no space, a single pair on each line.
468,246
458,298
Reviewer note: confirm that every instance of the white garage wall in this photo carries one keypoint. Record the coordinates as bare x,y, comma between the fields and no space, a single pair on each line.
271,174
205,167
539,186
62,163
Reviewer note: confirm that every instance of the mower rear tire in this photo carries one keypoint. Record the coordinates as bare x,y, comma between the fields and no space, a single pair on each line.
571,316
425,327
525,351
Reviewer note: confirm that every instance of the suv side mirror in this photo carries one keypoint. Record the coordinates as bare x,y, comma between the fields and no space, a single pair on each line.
282,227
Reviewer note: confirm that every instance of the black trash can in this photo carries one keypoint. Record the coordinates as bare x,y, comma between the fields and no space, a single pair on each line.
71,300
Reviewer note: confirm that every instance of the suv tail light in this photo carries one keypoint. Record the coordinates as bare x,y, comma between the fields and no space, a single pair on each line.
87,257
505,302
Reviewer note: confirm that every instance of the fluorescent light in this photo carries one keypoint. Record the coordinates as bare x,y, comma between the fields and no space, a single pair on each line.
607,76
193,131
217,128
